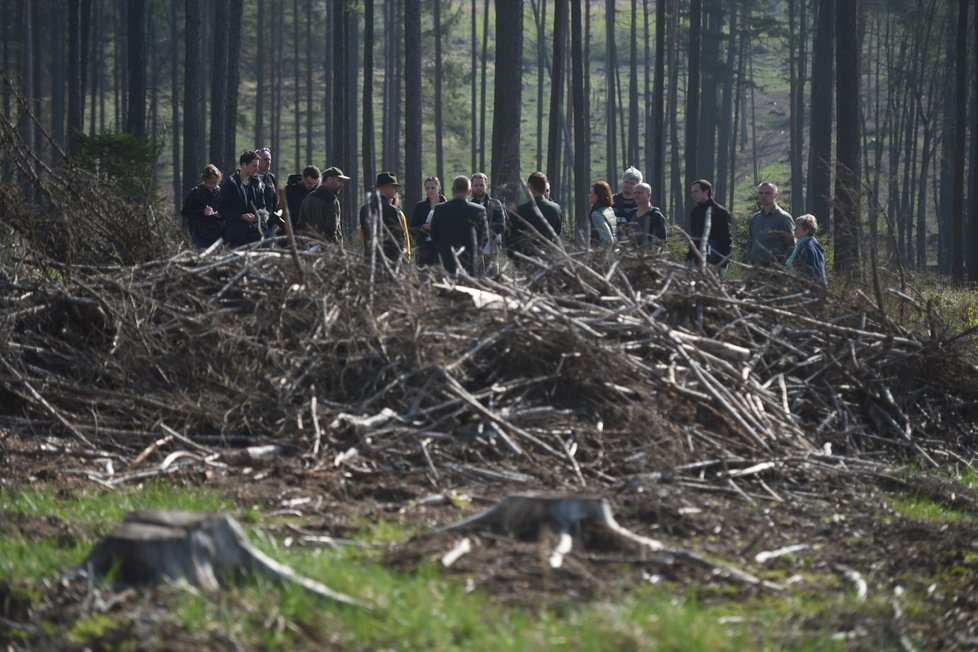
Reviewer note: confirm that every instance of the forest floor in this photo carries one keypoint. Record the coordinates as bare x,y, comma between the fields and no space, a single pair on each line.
887,565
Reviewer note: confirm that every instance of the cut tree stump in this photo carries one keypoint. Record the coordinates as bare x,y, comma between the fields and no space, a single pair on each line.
526,516
151,546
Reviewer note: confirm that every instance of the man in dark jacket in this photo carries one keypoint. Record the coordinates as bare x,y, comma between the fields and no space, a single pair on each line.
243,195
459,230
297,188
320,213
536,221
709,227
200,209
381,219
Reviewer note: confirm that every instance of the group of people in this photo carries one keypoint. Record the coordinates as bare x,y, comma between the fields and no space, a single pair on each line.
468,230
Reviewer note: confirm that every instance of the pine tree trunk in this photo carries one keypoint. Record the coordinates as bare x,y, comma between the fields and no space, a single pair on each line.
260,56
657,156
819,166
582,153
412,102
310,111
57,46
474,113
219,80
367,141
678,188
633,114
540,19
507,99
611,137
439,124
136,50
848,228
76,99
973,185
230,154
961,127
711,38
557,74
485,85
725,122
693,98
351,199
174,104
26,22
193,95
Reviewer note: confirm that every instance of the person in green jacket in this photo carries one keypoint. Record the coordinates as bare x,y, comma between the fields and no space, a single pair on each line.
771,237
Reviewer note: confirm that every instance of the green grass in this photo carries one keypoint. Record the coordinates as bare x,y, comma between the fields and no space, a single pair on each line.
925,510
421,608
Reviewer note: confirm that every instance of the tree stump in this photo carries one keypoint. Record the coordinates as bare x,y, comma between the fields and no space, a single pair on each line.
151,546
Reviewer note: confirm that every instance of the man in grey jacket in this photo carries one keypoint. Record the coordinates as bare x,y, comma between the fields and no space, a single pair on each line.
771,236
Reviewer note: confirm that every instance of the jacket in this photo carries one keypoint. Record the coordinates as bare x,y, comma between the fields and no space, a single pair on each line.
718,239
771,237
535,219
393,232
460,224
238,199
208,227
320,215
295,192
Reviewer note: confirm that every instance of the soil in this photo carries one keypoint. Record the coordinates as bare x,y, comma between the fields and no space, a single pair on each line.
847,523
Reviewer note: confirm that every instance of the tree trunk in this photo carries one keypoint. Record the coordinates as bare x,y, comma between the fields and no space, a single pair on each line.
174,104
340,58
693,97
24,124
819,166
540,19
219,81
507,99
611,63
260,56
57,46
193,95
678,188
136,50
230,154
351,199
710,69
582,153
796,66
439,125
973,186
657,156
961,130
474,113
633,114
328,91
412,102
725,122
76,99
367,142
310,111
848,188
485,83
297,86
557,71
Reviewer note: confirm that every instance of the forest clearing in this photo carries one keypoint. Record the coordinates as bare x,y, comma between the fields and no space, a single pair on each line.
310,443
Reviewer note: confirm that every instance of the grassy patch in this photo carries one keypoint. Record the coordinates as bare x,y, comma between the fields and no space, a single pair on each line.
926,510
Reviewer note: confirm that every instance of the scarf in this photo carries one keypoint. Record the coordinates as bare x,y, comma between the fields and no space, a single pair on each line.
798,247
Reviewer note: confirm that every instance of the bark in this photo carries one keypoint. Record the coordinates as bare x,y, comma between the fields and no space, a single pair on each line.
340,43
412,101
260,56
24,124
76,98
474,112
960,114
693,97
657,157
557,75
507,99
540,18
136,50
820,183
58,80
367,141
193,95
796,73
175,104
439,125
485,82
678,189
310,111
297,86
848,187
973,185
633,119
611,138
233,81
582,154
710,63
725,122
219,82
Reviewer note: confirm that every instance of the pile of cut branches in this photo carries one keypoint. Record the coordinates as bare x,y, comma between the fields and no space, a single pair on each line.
567,373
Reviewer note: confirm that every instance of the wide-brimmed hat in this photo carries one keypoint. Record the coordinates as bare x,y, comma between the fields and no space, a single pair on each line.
334,172
387,179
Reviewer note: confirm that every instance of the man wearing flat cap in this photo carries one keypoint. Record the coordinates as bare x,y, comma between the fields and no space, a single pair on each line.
383,226
320,211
